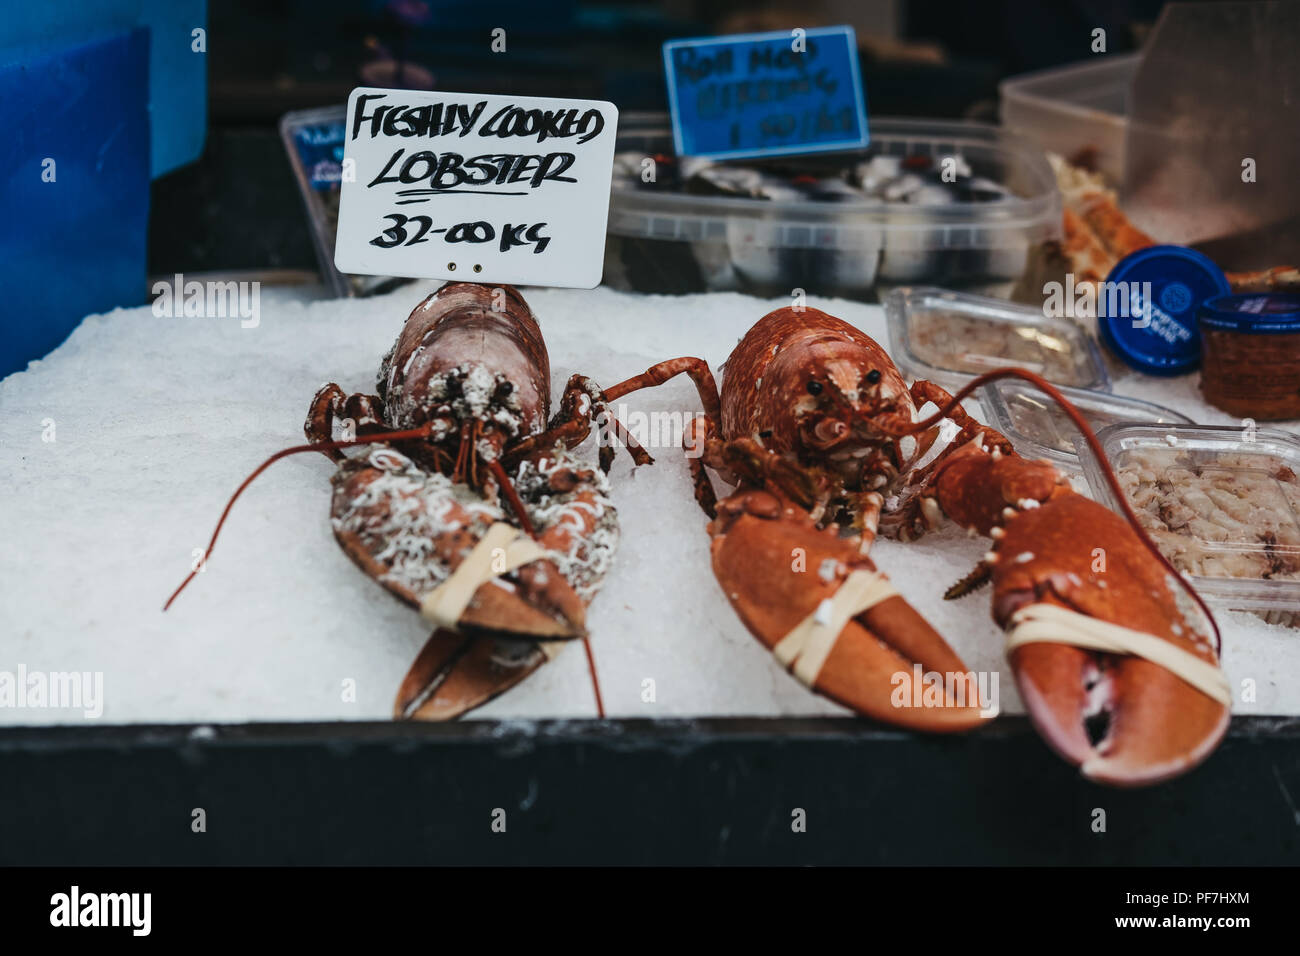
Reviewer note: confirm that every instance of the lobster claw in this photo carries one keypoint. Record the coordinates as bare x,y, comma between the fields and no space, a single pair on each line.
1123,719
1116,675
413,530
779,571
410,529
455,672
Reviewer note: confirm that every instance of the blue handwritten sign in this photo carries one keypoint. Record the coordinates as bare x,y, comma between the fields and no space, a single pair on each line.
766,94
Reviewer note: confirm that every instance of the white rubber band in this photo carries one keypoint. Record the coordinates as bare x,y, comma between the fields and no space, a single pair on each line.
444,605
810,642
1053,624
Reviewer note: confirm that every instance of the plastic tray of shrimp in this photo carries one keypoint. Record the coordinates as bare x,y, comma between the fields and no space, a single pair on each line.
1222,504
951,337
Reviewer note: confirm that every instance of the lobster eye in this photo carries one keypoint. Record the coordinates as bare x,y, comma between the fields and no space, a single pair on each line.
873,376
814,387
505,388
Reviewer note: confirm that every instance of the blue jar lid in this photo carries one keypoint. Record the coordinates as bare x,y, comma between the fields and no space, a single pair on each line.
1256,313
1147,307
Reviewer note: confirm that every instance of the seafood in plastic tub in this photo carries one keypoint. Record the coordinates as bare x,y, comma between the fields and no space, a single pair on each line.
1038,428
951,337
926,201
1221,503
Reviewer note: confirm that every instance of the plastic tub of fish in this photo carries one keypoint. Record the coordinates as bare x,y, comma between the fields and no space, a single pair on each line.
1222,504
959,203
1039,428
951,337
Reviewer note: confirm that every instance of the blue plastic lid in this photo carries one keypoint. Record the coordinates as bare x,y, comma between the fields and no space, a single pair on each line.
1147,307
1257,313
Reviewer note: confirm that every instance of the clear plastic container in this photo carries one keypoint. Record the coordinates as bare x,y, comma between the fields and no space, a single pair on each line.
1223,504
951,337
313,141
1076,108
1039,428
825,234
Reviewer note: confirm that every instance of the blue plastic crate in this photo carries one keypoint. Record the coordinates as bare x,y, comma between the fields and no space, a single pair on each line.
74,194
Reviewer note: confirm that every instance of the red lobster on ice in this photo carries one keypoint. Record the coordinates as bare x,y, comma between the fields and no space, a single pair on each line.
815,427
470,506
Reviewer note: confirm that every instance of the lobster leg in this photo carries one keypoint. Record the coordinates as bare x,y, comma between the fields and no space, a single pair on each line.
923,502
744,460
700,433
366,412
699,436
696,368
571,425
325,408
923,391
698,371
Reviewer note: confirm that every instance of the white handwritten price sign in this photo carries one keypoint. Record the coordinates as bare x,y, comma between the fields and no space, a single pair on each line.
467,186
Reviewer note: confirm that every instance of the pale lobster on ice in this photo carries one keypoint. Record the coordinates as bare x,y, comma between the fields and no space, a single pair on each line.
469,504
815,427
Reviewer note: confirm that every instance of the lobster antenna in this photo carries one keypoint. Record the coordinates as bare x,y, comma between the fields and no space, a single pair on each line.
1109,473
595,682
421,432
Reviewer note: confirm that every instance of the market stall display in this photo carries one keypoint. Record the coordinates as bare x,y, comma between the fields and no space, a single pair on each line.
991,472
280,617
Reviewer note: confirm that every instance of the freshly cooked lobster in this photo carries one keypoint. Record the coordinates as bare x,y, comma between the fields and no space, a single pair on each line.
470,506
815,427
